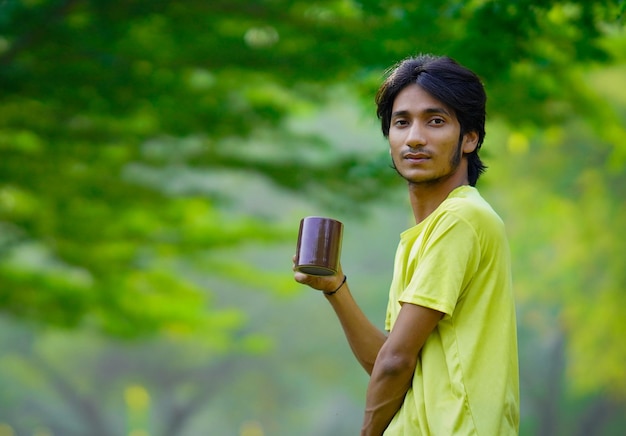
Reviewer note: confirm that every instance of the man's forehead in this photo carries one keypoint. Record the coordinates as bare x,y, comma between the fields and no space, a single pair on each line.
415,98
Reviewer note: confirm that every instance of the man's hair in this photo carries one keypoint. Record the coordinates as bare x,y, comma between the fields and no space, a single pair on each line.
449,82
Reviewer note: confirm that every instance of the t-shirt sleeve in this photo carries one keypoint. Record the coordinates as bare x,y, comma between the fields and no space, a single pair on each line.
388,315
445,263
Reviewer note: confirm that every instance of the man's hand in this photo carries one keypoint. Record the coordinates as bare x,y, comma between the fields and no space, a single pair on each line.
321,283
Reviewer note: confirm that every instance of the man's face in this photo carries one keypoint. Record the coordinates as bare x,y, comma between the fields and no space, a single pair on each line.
424,138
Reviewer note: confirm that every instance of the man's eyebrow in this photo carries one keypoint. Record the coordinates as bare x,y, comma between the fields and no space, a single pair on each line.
430,110
402,113
437,110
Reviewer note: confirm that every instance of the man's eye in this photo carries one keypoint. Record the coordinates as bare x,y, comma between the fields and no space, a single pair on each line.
400,123
437,121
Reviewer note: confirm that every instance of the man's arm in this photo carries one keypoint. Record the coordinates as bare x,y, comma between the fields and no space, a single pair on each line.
364,338
395,365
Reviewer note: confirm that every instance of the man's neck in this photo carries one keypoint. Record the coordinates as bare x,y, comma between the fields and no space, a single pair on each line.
426,197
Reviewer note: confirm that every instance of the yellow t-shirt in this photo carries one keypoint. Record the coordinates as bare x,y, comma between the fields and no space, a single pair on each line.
466,381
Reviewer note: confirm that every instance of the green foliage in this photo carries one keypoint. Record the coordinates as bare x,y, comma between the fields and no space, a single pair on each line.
113,114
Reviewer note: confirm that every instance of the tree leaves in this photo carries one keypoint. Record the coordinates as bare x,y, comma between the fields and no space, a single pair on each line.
119,118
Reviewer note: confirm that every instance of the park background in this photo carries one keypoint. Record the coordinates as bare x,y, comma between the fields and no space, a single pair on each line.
156,158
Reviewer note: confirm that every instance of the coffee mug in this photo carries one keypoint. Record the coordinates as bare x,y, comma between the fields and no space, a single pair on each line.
319,246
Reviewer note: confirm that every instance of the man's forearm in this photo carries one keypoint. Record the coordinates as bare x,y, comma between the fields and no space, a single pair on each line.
364,338
395,366
385,395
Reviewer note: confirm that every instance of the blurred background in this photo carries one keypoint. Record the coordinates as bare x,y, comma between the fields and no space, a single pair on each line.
156,158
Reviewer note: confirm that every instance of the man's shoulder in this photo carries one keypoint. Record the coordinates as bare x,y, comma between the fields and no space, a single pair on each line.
467,201
466,207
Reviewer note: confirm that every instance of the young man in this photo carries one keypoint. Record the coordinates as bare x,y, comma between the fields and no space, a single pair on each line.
449,364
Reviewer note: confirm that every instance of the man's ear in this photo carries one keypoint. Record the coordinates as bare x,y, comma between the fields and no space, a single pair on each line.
470,142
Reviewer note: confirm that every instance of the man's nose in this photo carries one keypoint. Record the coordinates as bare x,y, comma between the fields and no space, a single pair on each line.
415,136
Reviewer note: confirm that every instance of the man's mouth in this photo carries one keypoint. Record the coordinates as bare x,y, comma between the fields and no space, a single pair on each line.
416,156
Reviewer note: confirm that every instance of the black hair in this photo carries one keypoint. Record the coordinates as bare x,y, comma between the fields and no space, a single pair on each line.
449,82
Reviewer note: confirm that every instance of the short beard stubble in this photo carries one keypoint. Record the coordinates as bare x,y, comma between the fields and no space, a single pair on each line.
455,161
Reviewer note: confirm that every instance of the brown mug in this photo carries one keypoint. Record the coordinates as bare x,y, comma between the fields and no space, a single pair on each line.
319,246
